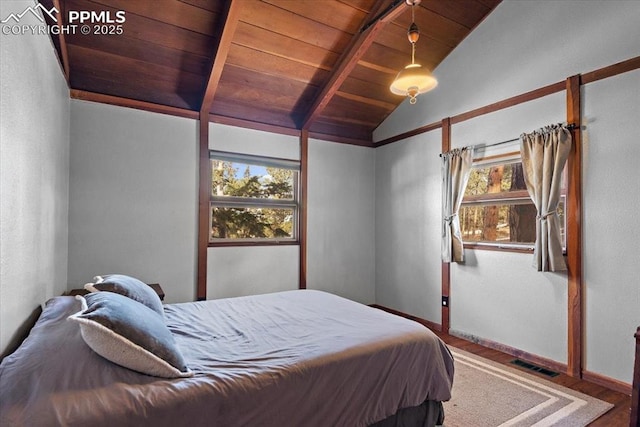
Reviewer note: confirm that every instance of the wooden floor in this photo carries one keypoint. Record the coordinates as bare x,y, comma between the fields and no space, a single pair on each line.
616,417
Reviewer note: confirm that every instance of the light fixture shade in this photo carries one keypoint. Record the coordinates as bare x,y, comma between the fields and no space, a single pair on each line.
412,81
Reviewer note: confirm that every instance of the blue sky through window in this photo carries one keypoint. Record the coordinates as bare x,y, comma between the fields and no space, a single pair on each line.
253,170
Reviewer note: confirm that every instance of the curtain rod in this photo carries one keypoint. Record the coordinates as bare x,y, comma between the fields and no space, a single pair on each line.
570,126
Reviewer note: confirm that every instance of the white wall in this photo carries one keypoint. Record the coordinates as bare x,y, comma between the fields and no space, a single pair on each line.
247,270
522,46
341,220
34,179
611,194
134,173
497,295
408,206
250,270
249,141
133,197
340,223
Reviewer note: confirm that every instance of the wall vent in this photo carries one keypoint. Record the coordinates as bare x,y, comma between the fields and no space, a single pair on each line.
534,368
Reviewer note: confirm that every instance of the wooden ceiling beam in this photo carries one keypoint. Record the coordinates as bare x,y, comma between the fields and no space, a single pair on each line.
229,21
101,98
374,22
341,139
366,100
63,43
230,17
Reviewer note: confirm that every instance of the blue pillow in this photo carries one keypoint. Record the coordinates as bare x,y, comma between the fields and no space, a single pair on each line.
130,334
129,287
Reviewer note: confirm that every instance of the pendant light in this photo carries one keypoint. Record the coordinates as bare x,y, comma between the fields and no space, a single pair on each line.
414,79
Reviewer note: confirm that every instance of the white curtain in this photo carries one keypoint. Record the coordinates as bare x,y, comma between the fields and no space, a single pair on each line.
456,166
544,154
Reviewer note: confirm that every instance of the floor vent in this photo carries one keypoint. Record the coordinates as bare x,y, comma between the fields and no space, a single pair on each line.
534,368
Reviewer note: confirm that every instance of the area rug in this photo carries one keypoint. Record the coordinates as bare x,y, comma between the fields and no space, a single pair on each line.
489,394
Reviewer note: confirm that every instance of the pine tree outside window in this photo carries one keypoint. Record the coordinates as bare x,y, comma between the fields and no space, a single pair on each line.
496,211
254,200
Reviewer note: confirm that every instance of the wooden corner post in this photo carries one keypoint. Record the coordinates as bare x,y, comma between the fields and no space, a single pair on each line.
446,270
302,214
230,15
204,193
574,233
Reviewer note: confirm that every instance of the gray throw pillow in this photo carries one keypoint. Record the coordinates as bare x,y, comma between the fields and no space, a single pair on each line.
129,287
130,334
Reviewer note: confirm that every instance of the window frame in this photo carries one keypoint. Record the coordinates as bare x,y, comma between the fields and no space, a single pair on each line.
216,201
499,199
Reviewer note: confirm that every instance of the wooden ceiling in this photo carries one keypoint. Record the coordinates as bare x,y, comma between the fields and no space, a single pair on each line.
324,66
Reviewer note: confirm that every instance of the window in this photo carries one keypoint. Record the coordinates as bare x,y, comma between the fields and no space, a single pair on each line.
496,210
254,199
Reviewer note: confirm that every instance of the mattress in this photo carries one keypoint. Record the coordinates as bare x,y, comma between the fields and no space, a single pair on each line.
298,358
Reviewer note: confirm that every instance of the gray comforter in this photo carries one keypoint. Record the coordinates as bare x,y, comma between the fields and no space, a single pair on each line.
299,358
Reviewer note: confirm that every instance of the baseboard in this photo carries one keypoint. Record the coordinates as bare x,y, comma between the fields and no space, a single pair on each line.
520,354
601,380
604,381
608,382
431,325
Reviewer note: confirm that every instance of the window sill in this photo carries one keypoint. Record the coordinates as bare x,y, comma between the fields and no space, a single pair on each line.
240,243
498,248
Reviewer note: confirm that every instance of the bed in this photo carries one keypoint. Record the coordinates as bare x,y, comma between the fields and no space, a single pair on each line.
297,358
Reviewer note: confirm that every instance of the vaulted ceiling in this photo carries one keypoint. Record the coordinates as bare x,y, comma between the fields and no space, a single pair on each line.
324,66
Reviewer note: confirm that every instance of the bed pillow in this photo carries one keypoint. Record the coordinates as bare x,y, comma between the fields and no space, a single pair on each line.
129,287
130,334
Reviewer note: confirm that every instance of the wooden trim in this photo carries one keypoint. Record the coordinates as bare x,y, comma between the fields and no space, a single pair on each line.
64,51
302,213
574,195
574,232
601,380
608,382
341,139
409,134
372,25
230,17
611,70
526,356
592,76
132,103
510,102
496,106
431,325
247,124
446,285
446,267
231,243
204,193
